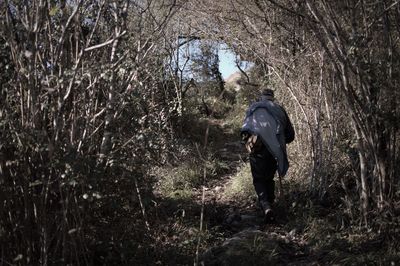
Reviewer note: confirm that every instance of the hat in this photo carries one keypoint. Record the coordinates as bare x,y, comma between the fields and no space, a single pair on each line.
268,92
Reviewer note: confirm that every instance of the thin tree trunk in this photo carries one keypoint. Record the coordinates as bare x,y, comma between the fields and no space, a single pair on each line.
364,192
106,144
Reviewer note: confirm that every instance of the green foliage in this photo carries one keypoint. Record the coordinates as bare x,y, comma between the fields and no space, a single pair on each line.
205,61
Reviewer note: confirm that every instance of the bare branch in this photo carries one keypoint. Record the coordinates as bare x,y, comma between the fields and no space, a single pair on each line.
97,46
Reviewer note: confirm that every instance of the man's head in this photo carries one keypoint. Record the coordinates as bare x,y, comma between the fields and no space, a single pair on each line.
267,94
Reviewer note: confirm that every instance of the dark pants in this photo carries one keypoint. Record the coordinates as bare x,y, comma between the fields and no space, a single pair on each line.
263,168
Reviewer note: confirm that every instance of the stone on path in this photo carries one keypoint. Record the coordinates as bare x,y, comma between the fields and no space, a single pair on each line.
248,247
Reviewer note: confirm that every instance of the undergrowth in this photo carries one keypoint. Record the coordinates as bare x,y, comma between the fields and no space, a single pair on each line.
180,181
330,234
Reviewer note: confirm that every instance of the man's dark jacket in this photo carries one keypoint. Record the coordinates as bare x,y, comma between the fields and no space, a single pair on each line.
270,121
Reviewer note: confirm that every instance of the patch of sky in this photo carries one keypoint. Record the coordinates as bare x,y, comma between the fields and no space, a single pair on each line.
228,61
227,58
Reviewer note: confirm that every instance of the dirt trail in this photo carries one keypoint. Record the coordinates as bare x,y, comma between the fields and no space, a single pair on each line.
246,239
233,232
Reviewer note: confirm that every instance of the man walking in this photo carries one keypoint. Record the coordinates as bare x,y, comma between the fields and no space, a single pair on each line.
266,131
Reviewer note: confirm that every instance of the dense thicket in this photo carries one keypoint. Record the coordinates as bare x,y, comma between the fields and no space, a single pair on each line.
85,107
93,93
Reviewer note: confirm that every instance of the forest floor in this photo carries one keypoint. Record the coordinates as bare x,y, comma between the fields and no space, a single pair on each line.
233,232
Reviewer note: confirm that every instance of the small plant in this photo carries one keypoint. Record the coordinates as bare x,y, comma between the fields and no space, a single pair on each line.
215,166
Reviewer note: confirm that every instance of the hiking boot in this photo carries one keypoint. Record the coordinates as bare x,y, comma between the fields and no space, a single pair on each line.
269,216
267,211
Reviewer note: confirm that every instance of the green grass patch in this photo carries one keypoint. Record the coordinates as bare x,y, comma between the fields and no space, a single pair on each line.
241,185
179,181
